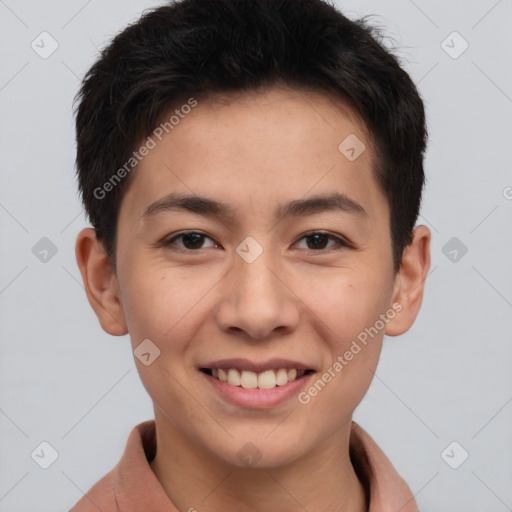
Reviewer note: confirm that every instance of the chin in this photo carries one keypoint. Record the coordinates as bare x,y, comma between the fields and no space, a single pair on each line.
251,453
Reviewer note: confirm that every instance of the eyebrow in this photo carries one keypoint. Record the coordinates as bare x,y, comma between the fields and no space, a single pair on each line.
211,208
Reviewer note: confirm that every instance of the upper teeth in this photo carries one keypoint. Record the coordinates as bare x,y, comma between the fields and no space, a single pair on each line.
251,380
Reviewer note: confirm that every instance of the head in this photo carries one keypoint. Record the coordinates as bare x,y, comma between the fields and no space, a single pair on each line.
253,173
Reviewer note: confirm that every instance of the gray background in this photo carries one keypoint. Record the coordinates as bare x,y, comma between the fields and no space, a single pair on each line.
64,381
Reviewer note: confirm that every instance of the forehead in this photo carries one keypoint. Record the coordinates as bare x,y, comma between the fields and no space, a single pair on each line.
260,147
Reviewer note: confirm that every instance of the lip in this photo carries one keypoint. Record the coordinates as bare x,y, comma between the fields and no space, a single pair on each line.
245,364
257,398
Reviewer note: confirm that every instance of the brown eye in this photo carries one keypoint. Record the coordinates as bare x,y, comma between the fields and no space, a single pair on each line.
190,241
318,241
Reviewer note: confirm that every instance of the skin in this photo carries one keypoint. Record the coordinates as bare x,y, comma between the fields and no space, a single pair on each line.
255,151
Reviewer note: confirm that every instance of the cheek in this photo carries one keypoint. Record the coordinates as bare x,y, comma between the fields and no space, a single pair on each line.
349,309
158,306
351,304
163,310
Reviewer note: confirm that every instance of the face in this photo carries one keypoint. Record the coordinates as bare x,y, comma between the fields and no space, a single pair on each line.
283,265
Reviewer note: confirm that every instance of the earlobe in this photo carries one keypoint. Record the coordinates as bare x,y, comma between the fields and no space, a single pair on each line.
410,281
100,282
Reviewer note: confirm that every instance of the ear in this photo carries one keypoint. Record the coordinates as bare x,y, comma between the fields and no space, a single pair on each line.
100,282
410,282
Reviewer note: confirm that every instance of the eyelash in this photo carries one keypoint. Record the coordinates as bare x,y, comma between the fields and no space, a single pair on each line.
340,242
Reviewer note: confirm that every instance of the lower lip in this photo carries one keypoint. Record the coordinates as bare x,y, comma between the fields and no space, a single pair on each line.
258,398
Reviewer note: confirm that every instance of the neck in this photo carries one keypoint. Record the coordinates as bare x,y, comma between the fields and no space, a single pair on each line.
194,478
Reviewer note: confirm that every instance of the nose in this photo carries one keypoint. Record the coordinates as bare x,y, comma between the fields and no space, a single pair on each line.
256,300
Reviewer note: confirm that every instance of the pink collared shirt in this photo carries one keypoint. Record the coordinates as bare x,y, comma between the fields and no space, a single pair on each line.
133,487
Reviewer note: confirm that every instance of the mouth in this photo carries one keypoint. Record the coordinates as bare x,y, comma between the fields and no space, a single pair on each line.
255,385
266,379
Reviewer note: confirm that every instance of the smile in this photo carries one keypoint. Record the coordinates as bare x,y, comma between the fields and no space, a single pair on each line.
247,379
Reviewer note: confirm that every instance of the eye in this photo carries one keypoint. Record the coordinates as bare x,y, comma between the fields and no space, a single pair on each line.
191,241
194,241
318,241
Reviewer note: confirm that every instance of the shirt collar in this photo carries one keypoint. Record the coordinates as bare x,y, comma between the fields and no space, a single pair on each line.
386,490
137,488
